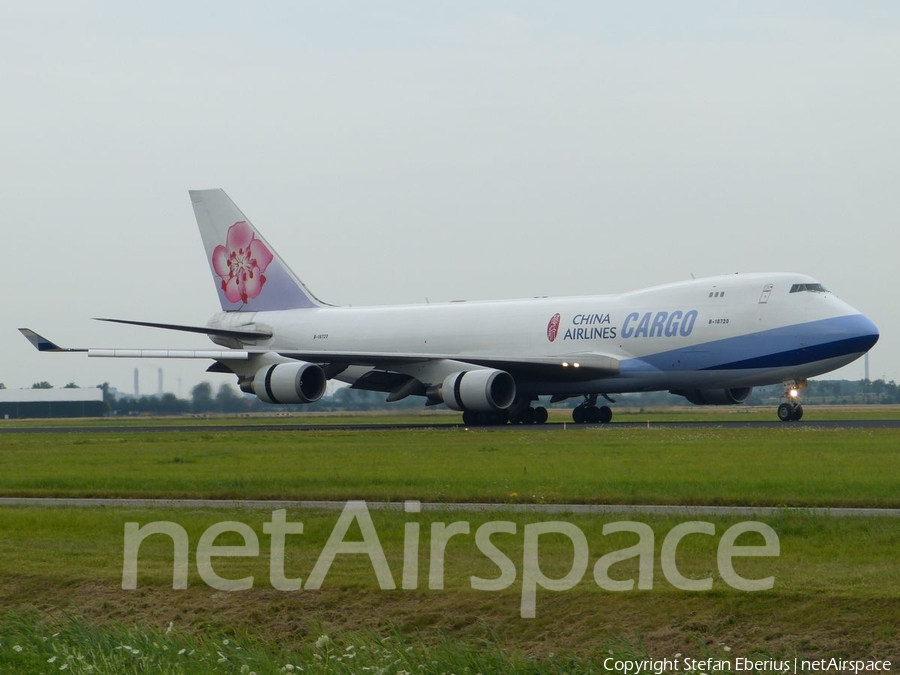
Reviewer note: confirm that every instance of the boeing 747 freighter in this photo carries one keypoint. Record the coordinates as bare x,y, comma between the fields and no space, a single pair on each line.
710,340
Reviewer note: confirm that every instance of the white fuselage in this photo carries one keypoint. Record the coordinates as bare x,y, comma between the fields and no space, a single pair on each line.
720,332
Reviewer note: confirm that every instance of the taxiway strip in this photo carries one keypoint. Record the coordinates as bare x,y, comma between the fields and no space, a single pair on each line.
592,509
571,426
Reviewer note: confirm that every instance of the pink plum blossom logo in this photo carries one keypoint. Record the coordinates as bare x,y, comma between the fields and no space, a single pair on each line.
241,262
553,327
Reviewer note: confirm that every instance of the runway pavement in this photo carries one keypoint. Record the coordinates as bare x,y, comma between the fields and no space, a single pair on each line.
211,427
555,509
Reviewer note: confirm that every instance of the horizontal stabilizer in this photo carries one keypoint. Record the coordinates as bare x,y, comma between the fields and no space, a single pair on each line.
248,334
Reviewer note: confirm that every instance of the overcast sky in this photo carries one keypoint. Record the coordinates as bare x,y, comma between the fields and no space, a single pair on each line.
393,152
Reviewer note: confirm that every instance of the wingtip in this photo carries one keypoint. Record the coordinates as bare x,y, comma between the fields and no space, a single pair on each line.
39,342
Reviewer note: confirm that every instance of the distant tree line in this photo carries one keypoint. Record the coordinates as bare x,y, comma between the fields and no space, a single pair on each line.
848,392
228,399
822,392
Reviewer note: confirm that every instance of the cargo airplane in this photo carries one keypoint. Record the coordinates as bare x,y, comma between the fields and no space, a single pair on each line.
710,340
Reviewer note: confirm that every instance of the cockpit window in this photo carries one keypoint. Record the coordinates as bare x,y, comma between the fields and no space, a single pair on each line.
814,288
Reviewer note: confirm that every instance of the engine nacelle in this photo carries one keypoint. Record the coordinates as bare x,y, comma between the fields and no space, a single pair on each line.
299,382
717,396
479,390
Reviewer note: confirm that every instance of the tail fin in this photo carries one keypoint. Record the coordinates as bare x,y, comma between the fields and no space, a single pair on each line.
249,275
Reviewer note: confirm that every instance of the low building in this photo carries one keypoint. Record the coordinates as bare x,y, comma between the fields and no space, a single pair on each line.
22,403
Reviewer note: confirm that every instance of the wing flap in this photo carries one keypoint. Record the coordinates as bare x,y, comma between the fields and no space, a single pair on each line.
583,366
215,354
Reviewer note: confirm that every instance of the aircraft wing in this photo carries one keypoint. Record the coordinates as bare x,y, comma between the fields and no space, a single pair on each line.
245,333
42,344
583,366
573,367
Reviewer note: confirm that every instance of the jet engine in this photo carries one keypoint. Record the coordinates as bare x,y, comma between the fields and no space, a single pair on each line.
299,382
478,390
717,396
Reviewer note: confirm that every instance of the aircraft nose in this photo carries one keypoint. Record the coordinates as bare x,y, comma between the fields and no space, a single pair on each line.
856,333
866,332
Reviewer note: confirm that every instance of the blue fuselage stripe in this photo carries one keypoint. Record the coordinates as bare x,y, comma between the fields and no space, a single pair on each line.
796,357
776,348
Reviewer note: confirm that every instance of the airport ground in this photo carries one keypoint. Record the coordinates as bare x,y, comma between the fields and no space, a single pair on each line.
837,580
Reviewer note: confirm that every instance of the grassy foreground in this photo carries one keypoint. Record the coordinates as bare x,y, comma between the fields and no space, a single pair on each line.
35,646
836,588
794,466
836,591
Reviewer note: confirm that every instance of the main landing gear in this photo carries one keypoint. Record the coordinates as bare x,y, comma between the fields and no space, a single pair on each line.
589,413
530,415
514,415
791,411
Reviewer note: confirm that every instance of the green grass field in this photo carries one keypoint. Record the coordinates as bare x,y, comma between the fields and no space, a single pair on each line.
837,581
836,585
793,466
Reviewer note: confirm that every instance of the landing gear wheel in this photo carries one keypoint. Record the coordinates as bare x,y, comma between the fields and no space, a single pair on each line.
540,415
790,412
526,416
785,412
491,419
592,414
589,413
485,418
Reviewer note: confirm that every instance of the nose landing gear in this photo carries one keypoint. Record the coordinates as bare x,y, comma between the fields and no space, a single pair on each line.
791,411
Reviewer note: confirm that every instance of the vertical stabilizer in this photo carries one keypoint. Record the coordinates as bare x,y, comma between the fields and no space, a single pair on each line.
249,275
